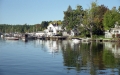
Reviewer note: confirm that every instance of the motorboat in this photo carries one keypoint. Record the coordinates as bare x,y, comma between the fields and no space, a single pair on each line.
76,40
11,38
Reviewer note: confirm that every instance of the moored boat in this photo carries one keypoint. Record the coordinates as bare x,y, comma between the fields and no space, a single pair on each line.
76,40
11,38
23,38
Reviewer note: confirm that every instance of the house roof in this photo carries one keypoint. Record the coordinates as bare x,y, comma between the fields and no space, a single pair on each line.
74,30
57,27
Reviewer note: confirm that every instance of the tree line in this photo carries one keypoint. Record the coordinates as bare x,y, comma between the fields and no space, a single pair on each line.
7,28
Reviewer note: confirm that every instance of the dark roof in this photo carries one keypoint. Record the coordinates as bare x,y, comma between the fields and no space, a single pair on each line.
74,30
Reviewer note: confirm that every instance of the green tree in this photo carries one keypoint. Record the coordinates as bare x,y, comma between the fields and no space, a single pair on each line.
88,19
72,18
98,19
44,24
93,19
69,9
119,9
68,18
110,18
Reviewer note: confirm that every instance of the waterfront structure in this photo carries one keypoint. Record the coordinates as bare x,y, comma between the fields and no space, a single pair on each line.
28,36
40,34
65,33
10,37
53,29
53,32
113,32
56,30
74,32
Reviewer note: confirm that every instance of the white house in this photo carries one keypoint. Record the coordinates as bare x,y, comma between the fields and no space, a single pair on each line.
53,29
65,33
112,31
74,32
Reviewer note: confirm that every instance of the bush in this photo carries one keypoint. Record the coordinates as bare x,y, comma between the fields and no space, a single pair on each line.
113,35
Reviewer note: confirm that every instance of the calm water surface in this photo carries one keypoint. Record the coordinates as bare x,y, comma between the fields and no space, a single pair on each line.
37,57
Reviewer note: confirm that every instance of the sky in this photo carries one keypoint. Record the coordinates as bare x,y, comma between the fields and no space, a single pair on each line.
35,11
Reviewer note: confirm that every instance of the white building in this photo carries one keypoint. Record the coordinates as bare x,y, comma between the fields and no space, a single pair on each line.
112,31
74,32
40,34
65,33
53,29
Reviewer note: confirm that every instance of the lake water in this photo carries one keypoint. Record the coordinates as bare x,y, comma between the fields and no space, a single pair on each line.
37,57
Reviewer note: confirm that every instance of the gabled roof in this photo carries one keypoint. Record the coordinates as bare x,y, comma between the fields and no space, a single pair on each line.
55,26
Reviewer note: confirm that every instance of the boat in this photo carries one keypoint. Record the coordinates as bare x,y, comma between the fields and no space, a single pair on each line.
11,38
76,40
23,38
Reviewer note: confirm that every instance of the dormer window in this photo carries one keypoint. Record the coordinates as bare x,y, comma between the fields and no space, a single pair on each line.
50,29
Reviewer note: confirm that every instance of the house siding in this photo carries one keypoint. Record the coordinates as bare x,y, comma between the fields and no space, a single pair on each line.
112,31
53,30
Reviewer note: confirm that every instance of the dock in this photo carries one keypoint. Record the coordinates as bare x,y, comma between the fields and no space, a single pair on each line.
106,40
99,40
56,38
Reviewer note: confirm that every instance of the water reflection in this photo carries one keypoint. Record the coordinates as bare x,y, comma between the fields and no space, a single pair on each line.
87,58
114,48
49,46
95,58
82,58
111,56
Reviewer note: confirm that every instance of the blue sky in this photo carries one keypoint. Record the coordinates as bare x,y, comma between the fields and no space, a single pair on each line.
36,11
